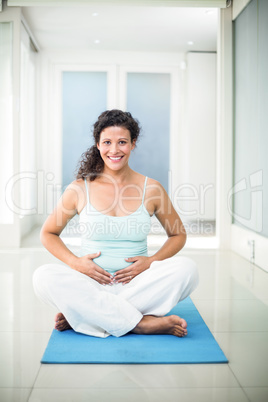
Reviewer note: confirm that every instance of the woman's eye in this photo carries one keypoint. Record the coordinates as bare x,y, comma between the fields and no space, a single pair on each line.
107,142
122,142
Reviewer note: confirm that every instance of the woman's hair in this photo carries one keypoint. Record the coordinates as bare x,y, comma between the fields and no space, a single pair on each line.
91,163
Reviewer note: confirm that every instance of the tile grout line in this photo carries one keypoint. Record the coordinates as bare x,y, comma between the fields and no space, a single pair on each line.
32,388
125,388
244,392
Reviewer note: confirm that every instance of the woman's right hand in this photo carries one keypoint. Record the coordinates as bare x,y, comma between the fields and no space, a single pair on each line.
86,266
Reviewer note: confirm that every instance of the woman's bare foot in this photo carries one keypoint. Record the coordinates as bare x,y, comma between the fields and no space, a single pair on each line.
61,324
172,325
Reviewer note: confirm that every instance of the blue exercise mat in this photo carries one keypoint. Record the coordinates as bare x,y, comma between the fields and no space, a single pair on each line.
199,346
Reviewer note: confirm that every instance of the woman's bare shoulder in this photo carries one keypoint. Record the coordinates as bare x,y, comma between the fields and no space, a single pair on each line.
77,185
151,181
154,186
78,182
75,193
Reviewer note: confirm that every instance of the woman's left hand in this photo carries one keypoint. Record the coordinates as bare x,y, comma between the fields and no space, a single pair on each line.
139,264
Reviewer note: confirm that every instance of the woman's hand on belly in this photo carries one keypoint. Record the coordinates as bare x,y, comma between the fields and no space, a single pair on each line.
86,266
139,264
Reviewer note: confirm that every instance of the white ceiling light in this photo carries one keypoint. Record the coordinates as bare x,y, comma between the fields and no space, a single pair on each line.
97,41
190,42
95,14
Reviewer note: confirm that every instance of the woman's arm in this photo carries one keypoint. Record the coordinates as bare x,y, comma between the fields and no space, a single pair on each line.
171,222
65,210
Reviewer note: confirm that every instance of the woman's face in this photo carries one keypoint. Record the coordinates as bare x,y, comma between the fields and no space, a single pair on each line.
115,147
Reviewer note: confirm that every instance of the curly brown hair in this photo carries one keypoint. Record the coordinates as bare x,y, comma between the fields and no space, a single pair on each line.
91,163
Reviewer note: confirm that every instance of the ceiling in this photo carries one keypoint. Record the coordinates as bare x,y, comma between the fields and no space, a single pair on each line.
123,28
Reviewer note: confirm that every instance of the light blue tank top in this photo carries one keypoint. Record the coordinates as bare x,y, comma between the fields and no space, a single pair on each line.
116,237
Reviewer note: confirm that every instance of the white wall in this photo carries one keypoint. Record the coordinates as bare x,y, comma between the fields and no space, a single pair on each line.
17,155
10,230
198,169
27,159
224,141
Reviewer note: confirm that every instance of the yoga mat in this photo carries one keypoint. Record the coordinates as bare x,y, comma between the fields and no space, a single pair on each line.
199,346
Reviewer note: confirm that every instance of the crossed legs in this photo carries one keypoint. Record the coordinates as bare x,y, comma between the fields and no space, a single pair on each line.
139,306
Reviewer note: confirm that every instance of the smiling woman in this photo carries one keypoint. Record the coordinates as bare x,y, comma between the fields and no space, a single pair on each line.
115,145
115,134
115,204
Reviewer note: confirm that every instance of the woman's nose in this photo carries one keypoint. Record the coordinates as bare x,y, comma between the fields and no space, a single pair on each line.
114,148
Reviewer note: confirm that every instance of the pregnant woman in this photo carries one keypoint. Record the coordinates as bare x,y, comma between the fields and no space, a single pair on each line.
113,287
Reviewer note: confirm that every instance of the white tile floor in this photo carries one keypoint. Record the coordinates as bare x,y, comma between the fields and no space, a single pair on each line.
232,298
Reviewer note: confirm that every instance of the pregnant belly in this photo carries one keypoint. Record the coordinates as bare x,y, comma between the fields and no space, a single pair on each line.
113,254
110,263
113,260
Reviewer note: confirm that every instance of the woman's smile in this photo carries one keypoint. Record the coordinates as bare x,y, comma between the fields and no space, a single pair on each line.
115,158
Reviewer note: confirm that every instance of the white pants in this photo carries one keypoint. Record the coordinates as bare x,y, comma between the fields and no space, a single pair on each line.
103,310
